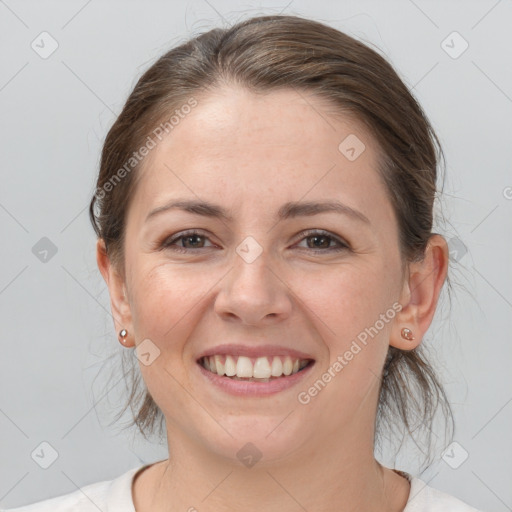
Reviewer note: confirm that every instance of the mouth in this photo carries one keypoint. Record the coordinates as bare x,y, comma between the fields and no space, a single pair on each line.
253,369
253,376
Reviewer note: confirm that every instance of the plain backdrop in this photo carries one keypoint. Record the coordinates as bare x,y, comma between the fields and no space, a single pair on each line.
56,328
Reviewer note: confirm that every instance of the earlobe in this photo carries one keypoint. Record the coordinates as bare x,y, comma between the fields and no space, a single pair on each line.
420,295
119,304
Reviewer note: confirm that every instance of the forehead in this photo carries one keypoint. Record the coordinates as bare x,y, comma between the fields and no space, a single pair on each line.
241,147
231,118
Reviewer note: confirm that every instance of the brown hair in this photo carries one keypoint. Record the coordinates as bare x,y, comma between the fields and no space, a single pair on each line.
267,53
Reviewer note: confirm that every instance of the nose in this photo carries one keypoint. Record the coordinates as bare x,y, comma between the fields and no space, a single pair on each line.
253,293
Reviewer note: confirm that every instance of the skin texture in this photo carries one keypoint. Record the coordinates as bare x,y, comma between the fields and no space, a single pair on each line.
250,154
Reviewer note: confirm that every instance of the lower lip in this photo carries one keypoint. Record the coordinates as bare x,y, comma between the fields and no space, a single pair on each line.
246,388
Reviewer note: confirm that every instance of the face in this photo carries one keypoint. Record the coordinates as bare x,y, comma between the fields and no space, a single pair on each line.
265,281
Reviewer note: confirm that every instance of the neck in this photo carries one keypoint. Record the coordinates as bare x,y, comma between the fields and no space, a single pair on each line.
338,474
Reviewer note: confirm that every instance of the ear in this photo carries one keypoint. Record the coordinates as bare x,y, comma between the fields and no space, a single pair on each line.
117,289
420,293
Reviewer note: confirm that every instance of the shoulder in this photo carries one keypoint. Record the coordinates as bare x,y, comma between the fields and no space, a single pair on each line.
89,498
104,495
424,498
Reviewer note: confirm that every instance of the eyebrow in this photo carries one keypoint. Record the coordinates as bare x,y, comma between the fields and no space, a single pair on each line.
287,211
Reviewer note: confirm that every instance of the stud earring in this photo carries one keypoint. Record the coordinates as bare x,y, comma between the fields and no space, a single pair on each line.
123,333
407,334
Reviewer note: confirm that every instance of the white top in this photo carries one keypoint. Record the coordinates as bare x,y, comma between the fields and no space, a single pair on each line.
116,496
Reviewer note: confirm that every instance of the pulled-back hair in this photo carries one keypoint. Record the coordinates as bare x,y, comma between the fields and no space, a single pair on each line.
263,54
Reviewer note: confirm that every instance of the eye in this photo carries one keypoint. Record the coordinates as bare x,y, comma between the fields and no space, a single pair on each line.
193,239
321,241
190,240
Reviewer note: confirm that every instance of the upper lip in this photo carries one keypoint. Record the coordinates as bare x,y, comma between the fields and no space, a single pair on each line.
254,351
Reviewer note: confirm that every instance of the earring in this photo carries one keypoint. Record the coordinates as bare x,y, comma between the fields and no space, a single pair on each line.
407,334
123,333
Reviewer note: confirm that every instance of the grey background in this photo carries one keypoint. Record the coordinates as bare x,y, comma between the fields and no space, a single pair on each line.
56,329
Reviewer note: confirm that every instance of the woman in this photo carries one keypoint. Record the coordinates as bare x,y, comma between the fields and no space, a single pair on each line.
264,217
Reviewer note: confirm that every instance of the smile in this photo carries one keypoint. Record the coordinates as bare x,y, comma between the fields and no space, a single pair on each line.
253,369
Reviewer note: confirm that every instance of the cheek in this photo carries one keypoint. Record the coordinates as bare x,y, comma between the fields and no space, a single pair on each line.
344,305
347,304
164,297
167,305
344,301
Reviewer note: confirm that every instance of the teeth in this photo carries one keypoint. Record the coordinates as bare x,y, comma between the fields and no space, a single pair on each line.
262,368
243,367
229,366
287,365
277,367
219,365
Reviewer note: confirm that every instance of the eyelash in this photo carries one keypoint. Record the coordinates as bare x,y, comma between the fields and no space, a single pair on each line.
168,242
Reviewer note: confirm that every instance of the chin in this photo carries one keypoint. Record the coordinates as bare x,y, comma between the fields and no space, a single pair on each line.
257,439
